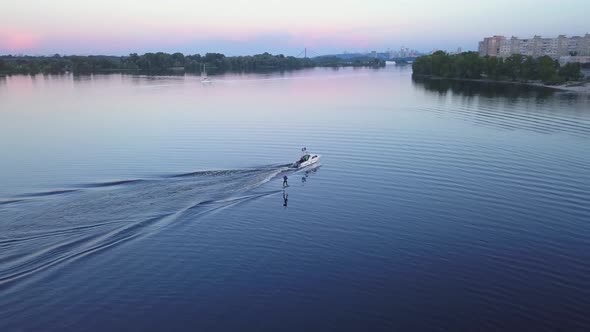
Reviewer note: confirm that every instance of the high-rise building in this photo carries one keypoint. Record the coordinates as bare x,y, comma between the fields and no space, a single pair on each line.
491,45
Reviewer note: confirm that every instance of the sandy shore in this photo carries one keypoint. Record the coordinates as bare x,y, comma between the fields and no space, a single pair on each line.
583,88
575,87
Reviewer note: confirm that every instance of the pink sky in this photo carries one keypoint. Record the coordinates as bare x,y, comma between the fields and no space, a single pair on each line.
246,27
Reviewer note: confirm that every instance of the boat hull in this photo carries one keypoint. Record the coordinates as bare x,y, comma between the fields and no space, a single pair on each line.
313,160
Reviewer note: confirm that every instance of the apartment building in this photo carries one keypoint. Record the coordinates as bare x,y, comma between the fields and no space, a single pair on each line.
491,45
536,46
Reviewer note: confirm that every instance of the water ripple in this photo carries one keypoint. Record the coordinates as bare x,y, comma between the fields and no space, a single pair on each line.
51,229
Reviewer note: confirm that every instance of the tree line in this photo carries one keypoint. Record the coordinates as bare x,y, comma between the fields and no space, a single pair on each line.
161,62
469,65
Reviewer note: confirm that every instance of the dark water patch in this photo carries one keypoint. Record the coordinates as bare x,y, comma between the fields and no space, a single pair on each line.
510,120
490,89
48,193
11,201
110,183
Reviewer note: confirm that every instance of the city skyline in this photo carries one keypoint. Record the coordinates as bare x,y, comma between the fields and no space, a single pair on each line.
121,27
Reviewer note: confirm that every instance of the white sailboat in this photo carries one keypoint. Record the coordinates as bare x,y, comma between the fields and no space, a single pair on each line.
204,78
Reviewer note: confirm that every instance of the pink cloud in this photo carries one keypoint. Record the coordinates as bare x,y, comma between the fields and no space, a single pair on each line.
140,35
18,41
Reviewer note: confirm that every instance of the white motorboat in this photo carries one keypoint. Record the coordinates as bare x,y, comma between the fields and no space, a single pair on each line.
306,160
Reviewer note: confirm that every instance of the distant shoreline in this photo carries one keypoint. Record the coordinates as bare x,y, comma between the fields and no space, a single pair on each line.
161,63
574,87
181,72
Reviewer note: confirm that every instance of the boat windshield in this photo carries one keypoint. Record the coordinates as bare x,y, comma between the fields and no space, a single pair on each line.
304,158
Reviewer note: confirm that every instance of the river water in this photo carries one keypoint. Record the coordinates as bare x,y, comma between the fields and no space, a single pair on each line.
156,203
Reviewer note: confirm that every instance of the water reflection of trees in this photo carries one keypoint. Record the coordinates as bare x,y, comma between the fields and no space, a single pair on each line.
481,88
508,106
493,90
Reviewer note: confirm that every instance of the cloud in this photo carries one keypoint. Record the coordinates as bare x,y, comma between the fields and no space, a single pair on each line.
17,41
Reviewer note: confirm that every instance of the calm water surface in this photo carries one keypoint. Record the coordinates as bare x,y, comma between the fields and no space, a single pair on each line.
155,203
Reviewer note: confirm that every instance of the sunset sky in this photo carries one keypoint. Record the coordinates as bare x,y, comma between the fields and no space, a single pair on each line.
255,26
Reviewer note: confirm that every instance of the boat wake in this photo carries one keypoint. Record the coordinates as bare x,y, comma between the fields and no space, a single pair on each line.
41,230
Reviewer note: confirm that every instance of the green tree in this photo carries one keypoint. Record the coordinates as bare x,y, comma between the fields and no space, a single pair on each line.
513,66
571,72
529,69
547,69
468,65
441,64
178,59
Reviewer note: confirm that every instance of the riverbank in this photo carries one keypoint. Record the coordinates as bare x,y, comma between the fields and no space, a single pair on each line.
541,71
164,63
574,87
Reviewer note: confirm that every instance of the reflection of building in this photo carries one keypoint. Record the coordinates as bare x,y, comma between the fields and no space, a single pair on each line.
536,46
